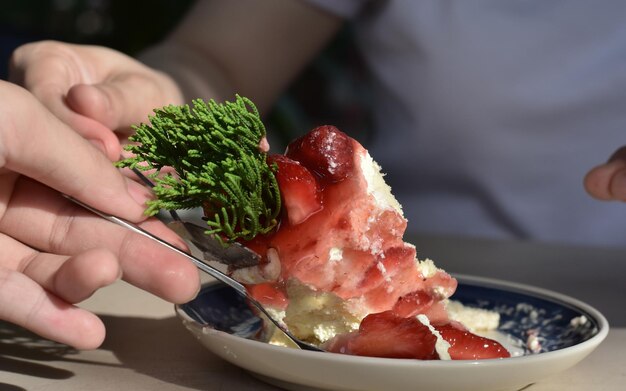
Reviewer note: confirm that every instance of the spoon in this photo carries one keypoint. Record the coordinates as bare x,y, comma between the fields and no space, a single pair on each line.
235,255
210,270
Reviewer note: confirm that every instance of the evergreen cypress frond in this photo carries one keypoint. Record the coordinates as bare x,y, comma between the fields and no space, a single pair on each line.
214,150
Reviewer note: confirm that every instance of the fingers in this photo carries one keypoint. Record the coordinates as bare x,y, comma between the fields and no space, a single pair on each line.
27,304
72,279
35,143
608,181
79,82
44,220
48,69
125,100
78,277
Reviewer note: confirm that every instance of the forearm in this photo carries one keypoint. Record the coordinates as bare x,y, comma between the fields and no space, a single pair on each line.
194,75
253,48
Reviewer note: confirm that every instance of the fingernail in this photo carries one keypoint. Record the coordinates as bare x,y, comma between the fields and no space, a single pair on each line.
139,193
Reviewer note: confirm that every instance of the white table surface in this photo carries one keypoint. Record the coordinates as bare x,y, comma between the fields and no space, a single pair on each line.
147,348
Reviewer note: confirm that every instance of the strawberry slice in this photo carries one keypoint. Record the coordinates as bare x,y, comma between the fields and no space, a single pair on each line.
269,294
325,150
467,346
413,303
388,335
298,188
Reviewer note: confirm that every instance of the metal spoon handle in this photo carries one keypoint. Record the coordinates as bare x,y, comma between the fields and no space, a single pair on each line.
213,272
234,254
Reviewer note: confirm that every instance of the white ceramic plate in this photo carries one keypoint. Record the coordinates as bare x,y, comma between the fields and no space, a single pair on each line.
224,324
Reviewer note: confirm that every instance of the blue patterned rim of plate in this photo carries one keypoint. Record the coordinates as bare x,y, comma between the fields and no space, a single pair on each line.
555,323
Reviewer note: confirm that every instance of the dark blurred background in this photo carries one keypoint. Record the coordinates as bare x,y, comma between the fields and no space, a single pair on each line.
333,90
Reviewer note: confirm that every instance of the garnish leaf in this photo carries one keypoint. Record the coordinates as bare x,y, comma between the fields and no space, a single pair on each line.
214,149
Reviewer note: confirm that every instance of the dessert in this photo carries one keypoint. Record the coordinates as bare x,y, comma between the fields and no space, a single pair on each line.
335,267
341,274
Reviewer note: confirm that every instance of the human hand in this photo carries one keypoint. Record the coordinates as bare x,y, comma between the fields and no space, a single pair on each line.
56,254
92,89
608,181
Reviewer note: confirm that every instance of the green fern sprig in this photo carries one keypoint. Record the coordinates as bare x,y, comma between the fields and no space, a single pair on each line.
214,151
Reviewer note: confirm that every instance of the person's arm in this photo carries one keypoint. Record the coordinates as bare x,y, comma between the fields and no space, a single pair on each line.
253,48
56,254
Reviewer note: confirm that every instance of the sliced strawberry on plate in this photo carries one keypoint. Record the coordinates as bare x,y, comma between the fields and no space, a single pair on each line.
269,294
465,345
325,150
412,304
388,335
298,187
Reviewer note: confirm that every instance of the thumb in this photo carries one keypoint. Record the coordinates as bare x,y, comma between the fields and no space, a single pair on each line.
124,101
608,181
